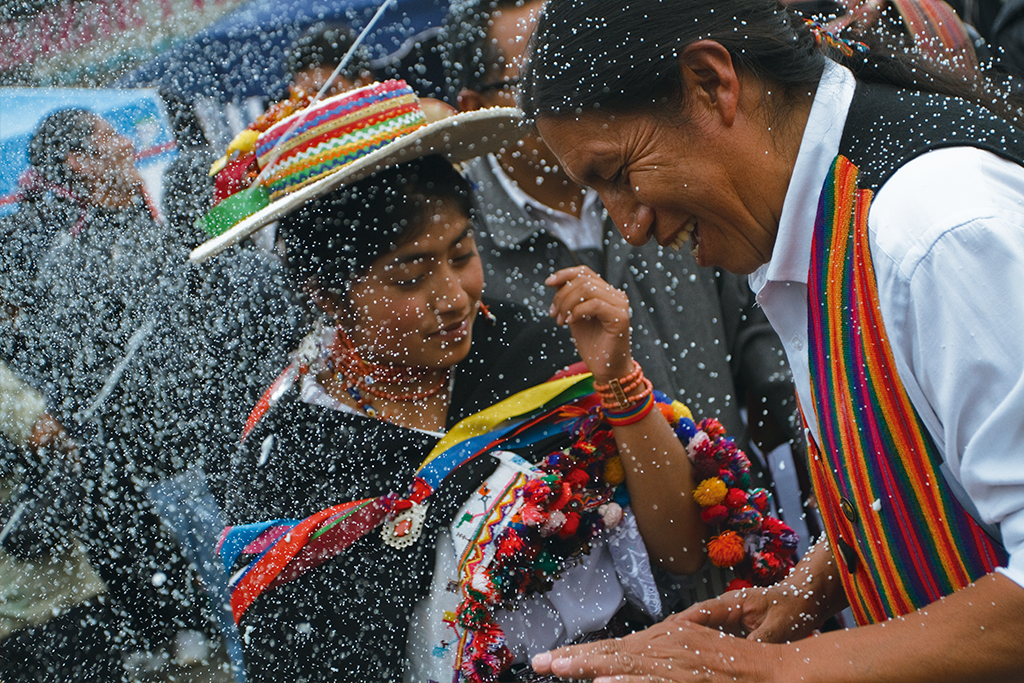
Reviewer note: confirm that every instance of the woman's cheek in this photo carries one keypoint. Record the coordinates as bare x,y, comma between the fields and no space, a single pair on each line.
405,313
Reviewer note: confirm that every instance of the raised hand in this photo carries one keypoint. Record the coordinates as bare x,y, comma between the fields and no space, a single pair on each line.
598,317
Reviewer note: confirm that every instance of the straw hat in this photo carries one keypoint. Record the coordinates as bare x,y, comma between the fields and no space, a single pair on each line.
459,137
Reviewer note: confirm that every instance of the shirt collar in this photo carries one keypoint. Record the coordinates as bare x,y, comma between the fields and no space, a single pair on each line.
791,255
576,233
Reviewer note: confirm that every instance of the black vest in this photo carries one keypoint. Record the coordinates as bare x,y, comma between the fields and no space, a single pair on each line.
887,127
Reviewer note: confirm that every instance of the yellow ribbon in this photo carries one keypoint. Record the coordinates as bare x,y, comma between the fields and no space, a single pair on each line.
514,406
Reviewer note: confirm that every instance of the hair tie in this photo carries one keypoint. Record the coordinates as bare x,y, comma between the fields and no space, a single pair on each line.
823,35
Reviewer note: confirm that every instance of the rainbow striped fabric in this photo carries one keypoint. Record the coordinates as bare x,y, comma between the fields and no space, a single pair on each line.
334,133
902,539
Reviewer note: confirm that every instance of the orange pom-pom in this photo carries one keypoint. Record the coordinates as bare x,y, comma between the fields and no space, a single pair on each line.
667,412
726,549
710,492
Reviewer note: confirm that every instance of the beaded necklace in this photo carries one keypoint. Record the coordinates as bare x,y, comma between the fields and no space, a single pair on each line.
332,350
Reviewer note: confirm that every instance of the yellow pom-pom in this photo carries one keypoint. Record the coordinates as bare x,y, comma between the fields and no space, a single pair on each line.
680,411
613,472
710,492
244,142
726,549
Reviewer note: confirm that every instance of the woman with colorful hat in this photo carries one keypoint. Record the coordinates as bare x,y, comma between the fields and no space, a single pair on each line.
412,499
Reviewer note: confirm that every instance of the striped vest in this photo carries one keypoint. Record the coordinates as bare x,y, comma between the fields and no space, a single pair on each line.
901,538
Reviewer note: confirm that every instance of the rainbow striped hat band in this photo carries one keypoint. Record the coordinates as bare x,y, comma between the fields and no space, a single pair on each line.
338,141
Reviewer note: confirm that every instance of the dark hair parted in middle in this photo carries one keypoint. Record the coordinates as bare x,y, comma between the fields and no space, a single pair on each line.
57,136
336,237
623,55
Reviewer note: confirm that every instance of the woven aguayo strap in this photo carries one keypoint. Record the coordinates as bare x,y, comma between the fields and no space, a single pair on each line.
901,538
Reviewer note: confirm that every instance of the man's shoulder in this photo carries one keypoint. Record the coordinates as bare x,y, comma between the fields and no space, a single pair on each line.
941,196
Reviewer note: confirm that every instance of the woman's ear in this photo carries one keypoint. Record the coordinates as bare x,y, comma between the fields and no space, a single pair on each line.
710,79
326,299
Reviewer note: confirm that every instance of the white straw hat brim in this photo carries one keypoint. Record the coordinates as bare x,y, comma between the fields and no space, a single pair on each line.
461,137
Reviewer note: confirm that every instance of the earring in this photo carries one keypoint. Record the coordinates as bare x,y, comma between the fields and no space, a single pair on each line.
482,309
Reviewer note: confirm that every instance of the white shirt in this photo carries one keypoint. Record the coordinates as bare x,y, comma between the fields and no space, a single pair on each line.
946,234
580,233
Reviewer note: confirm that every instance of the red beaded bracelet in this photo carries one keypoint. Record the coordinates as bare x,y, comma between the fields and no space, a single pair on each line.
618,406
615,389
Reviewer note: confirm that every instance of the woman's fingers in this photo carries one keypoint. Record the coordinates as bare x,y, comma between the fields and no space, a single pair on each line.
560,277
582,288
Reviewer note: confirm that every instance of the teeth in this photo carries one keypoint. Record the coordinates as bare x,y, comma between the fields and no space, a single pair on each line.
684,236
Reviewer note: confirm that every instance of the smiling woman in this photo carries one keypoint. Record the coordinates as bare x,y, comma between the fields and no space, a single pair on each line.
402,280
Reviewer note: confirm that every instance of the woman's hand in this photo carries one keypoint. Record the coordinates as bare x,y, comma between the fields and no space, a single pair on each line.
598,317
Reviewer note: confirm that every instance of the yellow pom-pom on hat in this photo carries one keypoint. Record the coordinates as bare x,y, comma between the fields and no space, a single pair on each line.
726,549
710,492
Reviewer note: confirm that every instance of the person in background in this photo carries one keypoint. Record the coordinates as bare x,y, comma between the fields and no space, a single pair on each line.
875,198
103,329
698,334
187,187
51,598
318,53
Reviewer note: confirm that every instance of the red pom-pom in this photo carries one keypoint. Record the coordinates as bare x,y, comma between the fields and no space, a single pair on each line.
564,496
735,499
773,526
738,584
236,176
572,523
716,514
536,491
576,477
510,544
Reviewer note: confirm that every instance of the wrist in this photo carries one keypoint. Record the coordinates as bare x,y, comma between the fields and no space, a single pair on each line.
626,399
621,368
623,389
